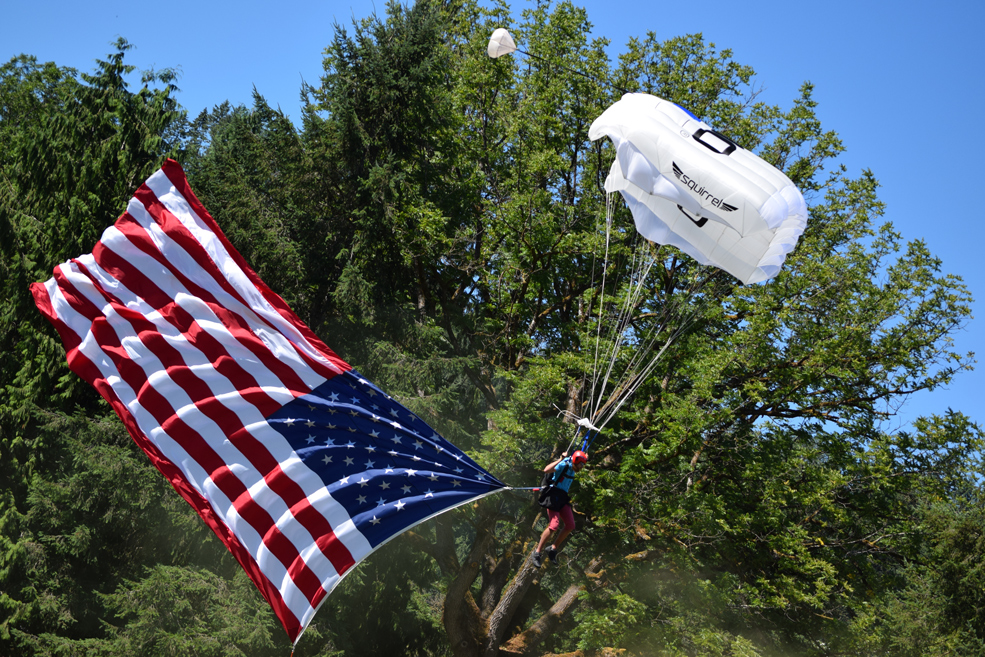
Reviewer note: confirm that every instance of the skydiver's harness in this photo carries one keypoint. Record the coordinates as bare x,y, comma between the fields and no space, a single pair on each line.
551,496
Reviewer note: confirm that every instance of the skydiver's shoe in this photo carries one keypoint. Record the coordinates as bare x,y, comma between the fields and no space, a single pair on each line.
538,560
552,555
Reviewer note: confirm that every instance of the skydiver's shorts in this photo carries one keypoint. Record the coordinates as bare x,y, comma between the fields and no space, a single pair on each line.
566,515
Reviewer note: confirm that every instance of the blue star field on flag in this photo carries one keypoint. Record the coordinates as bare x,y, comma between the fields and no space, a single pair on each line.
381,462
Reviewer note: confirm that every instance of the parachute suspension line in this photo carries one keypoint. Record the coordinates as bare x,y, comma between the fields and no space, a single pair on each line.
584,378
633,381
641,269
574,439
600,383
601,297
604,406
636,373
601,411
616,333
641,364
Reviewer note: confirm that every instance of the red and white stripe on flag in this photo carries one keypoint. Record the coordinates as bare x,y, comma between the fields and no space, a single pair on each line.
166,320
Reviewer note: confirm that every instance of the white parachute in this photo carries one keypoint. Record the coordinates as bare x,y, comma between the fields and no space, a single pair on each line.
690,187
693,188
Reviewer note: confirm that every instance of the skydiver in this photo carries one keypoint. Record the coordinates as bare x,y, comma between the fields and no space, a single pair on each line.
563,473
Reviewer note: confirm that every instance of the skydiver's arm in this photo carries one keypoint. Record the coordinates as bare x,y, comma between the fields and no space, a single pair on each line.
550,467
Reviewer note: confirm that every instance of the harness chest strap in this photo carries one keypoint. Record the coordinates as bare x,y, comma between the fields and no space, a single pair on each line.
562,474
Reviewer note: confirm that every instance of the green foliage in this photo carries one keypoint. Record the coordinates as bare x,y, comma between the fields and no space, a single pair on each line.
177,611
73,150
612,623
937,609
251,171
386,607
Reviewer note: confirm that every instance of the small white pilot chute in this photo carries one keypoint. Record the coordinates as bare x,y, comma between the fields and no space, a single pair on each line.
693,188
501,43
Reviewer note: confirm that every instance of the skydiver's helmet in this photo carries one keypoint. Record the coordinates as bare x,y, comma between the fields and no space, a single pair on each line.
579,458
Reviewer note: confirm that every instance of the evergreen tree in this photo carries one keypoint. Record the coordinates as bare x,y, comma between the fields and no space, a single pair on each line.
81,509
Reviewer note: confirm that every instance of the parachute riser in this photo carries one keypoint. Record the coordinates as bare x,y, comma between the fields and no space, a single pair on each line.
591,432
586,444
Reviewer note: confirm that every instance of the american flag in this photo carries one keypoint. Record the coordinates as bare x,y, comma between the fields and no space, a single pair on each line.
300,465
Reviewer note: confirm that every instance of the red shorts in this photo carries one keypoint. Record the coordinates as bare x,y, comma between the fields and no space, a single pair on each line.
566,514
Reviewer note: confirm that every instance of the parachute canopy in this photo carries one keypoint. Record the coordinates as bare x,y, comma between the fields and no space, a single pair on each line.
501,43
691,187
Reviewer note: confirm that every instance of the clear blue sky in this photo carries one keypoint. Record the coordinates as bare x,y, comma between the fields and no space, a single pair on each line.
901,82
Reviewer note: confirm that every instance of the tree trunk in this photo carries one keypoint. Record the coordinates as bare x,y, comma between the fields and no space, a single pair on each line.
475,631
499,620
463,621
495,574
527,642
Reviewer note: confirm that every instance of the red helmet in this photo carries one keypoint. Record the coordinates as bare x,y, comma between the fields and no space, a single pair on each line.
579,457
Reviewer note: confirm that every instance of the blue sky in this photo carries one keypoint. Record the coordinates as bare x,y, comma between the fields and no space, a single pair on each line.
901,82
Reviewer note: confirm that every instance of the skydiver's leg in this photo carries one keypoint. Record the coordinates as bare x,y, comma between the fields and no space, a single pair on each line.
555,522
567,515
543,539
